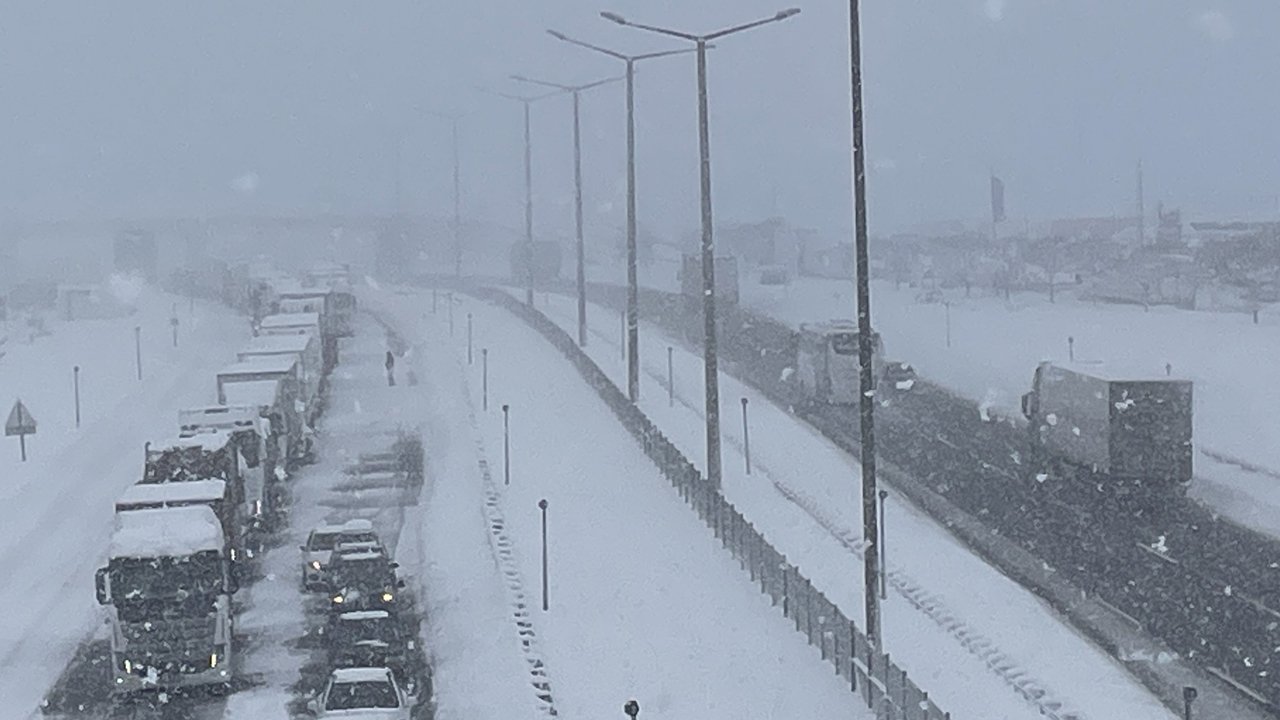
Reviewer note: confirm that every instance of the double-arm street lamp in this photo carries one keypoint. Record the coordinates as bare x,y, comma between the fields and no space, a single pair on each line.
708,247
526,101
576,91
633,311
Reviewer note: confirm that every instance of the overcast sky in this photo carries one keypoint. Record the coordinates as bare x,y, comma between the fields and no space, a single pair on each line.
125,108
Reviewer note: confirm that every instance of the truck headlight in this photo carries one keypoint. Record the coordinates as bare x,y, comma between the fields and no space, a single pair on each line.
337,599
387,597
315,564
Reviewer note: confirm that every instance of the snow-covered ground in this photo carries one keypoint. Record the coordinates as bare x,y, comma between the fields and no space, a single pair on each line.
57,507
948,613
995,345
642,601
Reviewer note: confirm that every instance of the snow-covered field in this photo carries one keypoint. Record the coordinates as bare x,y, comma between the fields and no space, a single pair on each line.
57,507
969,610
642,601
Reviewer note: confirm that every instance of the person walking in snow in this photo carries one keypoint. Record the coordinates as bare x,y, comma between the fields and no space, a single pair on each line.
391,368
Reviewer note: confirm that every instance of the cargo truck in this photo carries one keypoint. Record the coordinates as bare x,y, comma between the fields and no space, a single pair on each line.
1135,432
167,588
305,348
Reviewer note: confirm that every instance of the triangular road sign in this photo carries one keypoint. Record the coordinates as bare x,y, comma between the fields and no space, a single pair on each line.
20,421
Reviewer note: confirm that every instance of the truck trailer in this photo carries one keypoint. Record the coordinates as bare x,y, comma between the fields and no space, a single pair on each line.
1136,432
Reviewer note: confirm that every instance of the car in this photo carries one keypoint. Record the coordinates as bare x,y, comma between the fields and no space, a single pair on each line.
364,692
318,550
899,375
371,638
364,580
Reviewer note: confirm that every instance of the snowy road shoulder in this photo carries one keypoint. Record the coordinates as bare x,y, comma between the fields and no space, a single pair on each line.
643,603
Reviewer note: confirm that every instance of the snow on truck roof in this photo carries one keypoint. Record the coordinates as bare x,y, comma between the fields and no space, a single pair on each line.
1119,370
357,525
210,440
256,393
259,364
290,320
187,491
364,674
272,344
167,532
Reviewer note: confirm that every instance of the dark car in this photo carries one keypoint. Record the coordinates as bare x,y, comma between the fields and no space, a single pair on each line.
363,580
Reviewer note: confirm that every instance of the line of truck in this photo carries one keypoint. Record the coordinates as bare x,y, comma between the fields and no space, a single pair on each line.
187,534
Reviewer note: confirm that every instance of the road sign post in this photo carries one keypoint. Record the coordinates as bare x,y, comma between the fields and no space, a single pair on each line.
22,424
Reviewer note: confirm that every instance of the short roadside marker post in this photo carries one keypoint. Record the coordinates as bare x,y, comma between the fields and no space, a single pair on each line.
506,444
546,605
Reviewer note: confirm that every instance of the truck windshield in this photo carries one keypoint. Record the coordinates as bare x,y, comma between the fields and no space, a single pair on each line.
358,695
167,578
845,343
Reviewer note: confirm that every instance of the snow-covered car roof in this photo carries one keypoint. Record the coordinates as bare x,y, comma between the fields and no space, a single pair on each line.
256,393
365,674
355,525
173,492
166,532
289,320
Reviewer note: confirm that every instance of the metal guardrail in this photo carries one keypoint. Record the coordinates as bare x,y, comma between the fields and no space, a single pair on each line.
882,685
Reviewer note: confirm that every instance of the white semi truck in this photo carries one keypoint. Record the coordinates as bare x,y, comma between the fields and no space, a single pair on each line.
167,588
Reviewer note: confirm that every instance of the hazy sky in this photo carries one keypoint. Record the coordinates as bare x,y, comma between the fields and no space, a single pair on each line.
124,108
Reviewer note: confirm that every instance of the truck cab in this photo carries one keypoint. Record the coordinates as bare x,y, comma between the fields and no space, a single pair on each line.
167,588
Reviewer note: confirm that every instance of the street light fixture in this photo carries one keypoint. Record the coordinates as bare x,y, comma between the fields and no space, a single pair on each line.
526,101
633,292
708,247
575,91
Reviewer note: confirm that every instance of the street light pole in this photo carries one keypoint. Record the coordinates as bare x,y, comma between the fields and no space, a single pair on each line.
866,399
575,91
633,310
457,204
526,101
528,207
709,350
577,217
